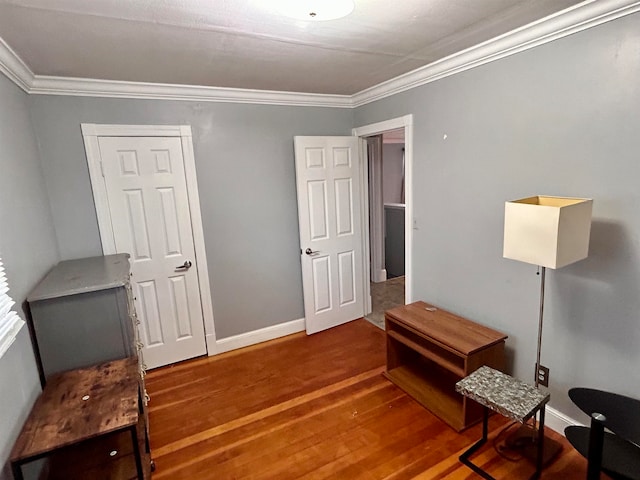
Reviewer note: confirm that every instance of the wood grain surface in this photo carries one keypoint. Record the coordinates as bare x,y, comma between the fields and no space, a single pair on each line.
449,330
312,407
80,405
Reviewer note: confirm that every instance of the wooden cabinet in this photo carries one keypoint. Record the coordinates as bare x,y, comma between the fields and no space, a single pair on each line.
429,350
83,314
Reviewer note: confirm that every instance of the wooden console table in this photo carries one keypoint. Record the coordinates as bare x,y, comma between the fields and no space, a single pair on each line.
429,350
88,423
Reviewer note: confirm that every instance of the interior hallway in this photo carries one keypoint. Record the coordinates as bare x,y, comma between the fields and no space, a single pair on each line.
385,295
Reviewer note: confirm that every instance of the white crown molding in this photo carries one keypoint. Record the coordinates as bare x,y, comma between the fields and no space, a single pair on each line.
46,85
14,68
104,130
567,22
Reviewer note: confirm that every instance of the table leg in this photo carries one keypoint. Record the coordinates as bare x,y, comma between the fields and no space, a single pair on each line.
464,458
136,452
141,411
596,441
540,441
16,468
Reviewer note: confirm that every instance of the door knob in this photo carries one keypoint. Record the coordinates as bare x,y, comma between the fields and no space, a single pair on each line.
185,266
310,252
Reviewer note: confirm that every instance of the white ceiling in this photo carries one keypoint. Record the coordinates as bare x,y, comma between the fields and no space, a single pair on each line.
247,44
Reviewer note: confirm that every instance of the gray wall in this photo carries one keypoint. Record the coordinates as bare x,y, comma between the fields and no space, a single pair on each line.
28,249
246,179
392,154
560,119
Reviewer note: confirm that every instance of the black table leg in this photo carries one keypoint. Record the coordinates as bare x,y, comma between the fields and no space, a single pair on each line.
136,452
596,441
464,458
540,442
17,471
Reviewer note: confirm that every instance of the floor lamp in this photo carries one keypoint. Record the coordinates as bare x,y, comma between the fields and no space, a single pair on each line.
550,232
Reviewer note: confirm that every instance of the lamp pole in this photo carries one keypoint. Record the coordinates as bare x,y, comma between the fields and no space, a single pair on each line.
542,279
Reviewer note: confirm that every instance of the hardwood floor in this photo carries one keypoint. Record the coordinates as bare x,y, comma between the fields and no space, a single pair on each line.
312,407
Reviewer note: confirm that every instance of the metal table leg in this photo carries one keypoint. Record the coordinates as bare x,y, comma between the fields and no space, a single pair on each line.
16,467
596,442
464,458
540,441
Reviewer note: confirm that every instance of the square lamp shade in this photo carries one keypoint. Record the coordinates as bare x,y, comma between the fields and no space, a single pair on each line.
547,231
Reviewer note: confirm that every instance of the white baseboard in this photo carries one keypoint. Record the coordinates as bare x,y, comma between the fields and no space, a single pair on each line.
558,421
257,336
210,340
380,275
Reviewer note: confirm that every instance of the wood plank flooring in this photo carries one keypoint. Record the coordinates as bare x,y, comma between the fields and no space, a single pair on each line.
312,407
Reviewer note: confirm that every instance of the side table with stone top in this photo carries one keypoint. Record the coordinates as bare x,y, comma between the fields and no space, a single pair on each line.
509,397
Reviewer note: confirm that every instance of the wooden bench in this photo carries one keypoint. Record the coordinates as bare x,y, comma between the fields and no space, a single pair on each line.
430,349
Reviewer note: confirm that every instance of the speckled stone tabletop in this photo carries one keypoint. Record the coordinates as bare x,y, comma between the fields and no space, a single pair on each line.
502,393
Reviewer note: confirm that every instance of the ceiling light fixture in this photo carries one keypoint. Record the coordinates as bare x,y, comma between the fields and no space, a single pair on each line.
316,10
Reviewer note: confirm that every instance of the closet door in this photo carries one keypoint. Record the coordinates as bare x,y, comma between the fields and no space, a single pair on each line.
151,220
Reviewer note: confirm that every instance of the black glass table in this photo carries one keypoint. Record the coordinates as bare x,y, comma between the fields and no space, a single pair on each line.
616,451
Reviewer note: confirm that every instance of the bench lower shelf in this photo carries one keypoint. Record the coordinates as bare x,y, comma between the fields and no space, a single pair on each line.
437,395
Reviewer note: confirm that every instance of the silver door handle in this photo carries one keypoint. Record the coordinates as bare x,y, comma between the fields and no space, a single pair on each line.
185,266
310,252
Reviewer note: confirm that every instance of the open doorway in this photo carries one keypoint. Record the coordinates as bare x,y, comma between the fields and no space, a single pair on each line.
387,179
386,162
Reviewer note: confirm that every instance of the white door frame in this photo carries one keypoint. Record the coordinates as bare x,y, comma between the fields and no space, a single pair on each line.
90,134
376,211
405,122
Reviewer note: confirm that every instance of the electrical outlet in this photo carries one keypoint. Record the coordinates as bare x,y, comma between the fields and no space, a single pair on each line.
543,375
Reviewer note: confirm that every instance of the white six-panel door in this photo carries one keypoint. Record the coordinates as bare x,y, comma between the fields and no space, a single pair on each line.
150,218
327,172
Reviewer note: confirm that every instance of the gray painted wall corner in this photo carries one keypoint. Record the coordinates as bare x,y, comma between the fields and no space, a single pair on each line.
559,119
28,248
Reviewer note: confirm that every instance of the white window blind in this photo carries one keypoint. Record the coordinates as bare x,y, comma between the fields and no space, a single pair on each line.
10,322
